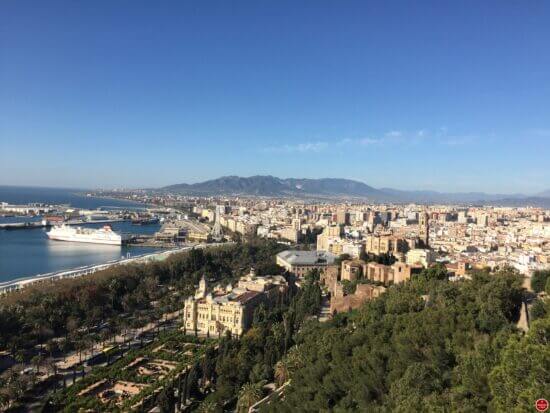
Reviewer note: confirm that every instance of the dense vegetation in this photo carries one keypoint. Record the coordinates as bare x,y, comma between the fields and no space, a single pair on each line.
75,314
540,281
59,308
428,345
243,365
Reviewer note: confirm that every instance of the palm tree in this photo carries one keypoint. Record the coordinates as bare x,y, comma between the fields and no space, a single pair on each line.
249,394
80,345
37,361
64,346
294,359
51,346
208,407
20,356
52,365
4,401
104,336
15,390
281,372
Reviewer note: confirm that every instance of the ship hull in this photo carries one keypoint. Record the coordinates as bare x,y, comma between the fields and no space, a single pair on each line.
85,240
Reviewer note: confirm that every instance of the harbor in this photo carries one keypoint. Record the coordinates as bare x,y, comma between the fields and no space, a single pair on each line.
51,231
19,283
28,214
48,224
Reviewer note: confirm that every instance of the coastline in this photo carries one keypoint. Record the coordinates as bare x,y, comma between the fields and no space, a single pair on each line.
22,282
85,195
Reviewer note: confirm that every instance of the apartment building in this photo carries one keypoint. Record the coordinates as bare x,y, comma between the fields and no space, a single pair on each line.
420,256
385,244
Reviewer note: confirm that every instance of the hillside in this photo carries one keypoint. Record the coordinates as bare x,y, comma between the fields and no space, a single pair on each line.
271,186
426,346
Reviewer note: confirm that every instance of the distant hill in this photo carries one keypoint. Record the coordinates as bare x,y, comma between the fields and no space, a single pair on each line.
261,185
451,197
544,194
272,186
532,201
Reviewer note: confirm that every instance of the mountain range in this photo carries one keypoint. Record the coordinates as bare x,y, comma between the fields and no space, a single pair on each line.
271,186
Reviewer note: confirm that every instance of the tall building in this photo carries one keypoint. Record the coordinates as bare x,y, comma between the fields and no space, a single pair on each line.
217,232
483,220
424,224
330,234
342,217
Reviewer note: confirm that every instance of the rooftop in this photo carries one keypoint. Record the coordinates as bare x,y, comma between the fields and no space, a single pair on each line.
296,257
244,297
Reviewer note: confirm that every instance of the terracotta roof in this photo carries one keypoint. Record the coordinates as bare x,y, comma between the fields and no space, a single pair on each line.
244,297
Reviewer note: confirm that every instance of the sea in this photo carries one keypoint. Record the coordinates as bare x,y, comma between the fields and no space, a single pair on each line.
29,252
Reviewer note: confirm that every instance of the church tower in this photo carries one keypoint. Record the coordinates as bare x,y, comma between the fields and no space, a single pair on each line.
201,292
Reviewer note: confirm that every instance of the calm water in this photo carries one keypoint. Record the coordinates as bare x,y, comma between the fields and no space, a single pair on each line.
29,251
59,196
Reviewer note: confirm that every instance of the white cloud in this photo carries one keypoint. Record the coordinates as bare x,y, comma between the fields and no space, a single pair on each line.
308,147
395,138
361,141
299,147
394,134
368,141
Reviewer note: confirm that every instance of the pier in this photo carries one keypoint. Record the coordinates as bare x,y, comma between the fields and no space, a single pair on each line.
34,225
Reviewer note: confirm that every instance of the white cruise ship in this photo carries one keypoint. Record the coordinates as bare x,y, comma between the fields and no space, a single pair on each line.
103,235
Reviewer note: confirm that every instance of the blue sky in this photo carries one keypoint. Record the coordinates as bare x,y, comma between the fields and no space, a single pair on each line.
440,95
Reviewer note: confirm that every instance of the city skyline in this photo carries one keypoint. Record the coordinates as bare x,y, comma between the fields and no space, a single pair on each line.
431,97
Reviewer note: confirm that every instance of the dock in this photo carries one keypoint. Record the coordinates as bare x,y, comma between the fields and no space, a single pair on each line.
34,225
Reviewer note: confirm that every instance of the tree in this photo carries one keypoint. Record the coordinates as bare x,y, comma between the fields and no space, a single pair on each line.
37,361
80,346
208,407
363,256
166,400
539,279
410,391
521,376
281,372
16,386
51,347
435,272
52,365
537,310
342,257
249,394
426,345
20,356
260,314
4,397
